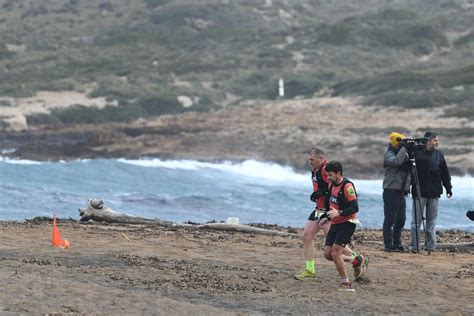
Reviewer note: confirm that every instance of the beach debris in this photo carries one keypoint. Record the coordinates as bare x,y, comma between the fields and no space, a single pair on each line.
126,237
233,220
96,210
246,229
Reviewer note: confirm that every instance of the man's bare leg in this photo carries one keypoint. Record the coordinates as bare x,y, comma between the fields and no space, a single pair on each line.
310,230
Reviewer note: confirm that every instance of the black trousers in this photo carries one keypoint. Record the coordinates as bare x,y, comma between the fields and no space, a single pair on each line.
394,208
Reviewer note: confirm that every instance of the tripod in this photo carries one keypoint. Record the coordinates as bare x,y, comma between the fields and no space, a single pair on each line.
417,203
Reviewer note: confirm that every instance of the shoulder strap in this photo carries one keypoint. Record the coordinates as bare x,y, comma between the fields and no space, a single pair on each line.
323,164
342,192
319,174
346,181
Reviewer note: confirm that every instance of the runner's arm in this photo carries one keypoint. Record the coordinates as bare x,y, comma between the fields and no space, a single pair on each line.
317,194
353,208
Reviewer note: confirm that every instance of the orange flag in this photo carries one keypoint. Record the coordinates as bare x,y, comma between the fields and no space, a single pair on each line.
57,240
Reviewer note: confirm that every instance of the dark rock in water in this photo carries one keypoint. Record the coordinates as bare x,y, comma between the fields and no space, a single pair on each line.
470,215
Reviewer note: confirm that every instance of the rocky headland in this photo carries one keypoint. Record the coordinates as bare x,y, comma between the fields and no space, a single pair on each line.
278,131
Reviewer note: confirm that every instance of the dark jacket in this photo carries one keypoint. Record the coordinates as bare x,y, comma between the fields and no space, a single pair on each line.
432,173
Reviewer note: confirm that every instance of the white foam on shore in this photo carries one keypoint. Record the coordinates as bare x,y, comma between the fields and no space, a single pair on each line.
20,161
272,185
170,164
272,171
247,168
462,186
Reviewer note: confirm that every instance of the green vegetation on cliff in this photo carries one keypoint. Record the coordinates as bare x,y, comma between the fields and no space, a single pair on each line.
146,53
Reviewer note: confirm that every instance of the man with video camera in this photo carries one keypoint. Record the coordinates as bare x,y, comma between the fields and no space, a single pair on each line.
396,185
433,174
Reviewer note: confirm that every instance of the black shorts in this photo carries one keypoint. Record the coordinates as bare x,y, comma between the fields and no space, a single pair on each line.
340,234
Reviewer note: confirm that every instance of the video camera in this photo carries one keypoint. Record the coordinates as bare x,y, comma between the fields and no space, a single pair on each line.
419,140
411,144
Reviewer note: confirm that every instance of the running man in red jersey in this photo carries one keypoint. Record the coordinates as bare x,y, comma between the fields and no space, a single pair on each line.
317,161
343,208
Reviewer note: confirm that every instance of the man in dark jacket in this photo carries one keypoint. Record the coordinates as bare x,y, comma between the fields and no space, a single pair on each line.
396,185
433,174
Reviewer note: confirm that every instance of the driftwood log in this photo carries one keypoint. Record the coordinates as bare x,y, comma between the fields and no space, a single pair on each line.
246,229
97,211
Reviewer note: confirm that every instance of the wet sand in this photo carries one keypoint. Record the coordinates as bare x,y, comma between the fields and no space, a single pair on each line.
149,270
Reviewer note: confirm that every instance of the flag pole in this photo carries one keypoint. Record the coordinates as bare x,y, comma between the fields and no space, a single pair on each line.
56,241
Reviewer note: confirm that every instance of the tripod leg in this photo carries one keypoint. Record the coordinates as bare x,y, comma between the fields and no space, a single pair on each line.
422,218
418,205
417,220
413,230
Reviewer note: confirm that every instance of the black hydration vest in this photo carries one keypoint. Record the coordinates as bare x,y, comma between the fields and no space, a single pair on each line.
317,175
341,199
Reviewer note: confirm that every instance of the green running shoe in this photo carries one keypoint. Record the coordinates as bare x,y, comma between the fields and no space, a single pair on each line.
366,265
305,275
360,264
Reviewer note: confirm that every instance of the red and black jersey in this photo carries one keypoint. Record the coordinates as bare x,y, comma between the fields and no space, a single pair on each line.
320,183
343,197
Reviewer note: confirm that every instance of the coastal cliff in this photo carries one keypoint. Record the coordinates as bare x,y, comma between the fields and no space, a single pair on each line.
277,131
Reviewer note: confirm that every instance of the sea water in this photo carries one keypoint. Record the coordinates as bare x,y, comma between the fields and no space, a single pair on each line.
185,190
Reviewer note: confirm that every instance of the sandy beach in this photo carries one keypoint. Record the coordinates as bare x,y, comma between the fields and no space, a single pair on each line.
153,270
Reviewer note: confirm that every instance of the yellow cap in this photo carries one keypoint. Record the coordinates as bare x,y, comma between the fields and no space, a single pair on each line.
394,136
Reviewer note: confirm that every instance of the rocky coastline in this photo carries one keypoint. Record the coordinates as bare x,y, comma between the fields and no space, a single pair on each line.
279,132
